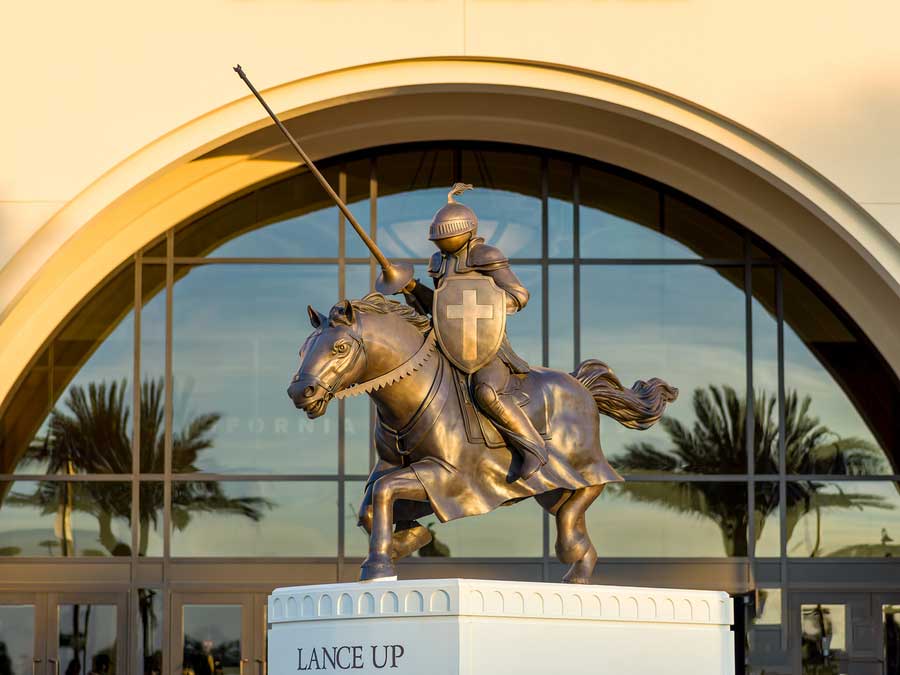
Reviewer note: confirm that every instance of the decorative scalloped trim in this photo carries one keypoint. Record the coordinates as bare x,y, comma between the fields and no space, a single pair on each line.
405,369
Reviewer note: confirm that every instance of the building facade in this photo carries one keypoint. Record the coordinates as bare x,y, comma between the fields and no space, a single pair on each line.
665,206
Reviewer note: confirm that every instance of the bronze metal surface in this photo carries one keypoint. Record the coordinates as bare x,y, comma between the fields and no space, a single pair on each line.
469,317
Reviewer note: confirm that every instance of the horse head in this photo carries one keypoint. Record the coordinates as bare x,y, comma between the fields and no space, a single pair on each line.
331,358
357,341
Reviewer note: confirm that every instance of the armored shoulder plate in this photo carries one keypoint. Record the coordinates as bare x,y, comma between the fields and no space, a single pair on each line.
485,257
434,267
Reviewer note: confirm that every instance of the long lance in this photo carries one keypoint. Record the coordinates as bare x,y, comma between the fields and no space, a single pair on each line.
394,276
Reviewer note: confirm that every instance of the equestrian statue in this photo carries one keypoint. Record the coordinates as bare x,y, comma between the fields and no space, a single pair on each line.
463,424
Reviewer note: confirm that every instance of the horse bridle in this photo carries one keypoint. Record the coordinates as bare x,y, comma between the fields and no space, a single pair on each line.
334,390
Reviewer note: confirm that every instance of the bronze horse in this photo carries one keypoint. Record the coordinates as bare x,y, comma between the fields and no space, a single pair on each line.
437,454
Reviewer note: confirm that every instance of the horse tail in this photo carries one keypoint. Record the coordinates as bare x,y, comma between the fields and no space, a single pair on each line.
637,408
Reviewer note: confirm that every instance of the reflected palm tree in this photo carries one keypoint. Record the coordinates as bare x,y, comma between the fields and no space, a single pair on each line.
715,444
92,436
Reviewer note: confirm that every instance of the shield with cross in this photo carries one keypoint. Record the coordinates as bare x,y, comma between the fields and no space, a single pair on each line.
469,314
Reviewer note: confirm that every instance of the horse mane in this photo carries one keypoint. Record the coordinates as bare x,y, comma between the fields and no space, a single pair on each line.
376,303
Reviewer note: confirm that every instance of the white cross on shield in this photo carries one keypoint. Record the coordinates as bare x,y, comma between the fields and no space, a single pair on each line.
469,315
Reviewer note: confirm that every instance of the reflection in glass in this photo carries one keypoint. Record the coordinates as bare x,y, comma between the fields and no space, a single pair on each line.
153,368
262,518
768,611
684,324
87,639
506,199
562,329
768,520
65,519
151,495
412,186
292,218
823,638
664,519
560,210
150,616
891,616
843,519
619,218
853,390
765,370
16,639
212,639
87,372
357,175
235,346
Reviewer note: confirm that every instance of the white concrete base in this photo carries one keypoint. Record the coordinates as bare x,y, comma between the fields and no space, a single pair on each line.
469,627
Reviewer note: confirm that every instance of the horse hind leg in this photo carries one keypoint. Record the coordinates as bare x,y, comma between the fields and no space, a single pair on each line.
573,544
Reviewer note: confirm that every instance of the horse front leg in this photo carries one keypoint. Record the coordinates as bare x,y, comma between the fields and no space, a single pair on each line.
385,492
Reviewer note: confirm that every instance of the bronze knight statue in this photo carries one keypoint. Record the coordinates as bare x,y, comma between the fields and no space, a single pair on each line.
463,425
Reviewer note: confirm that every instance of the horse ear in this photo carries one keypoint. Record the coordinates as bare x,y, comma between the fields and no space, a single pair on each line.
315,318
348,311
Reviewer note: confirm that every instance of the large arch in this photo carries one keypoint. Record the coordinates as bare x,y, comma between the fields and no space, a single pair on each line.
648,131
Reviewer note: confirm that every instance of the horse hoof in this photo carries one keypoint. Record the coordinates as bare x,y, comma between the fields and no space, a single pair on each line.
376,567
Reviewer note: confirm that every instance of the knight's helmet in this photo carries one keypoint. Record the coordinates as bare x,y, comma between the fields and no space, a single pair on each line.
453,218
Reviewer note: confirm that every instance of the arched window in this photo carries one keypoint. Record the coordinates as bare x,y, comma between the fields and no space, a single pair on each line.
786,410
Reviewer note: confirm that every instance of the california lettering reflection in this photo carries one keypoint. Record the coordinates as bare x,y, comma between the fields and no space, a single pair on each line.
349,657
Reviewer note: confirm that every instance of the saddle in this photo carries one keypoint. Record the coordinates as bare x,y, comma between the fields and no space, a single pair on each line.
481,429
527,393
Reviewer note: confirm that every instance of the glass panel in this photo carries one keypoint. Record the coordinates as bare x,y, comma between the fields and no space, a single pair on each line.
358,174
508,532
838,389
150,630
692,229
561,314
358,283
665,519
153,368
357,428
524,327
87,639
765,372
560,210
16,639
237,330
412,186
686,325
150,534
619,218
891,614
768,521
293,218
823,638
244,519
156,249
843,519
65,519
88,380
506,199
212,639
768,613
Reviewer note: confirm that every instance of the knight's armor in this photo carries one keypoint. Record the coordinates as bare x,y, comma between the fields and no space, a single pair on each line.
453,230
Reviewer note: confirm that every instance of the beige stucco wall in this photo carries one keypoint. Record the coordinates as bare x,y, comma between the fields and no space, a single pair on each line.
101,97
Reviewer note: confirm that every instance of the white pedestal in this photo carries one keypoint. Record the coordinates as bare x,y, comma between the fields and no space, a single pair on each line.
470,627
